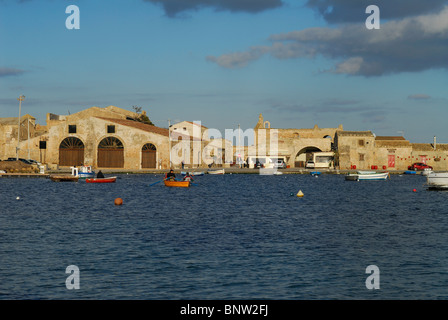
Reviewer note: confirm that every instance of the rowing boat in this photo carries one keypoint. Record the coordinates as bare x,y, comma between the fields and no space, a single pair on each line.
367,175
219,171
61,178
176,183
101,180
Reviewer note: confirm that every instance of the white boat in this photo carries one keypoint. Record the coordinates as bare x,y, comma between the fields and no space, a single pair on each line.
367,175
83,172
426,171
219,171
192,173
437,180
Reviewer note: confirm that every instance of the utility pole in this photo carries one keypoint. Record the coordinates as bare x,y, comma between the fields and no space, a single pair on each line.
169,138
21,98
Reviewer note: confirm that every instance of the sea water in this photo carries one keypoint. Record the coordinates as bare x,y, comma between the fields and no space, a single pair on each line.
239,236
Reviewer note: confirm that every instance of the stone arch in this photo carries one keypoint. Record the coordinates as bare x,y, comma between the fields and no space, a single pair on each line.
71,152
266,125
149,156
304,155
110,153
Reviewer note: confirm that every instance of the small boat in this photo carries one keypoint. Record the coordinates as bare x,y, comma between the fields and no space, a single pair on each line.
437,180
61,178
219,171
367,175
101,180
83,172
315,173
192,173
410,172
177,183
426,171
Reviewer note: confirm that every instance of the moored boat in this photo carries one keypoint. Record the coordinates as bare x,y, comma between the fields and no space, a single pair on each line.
426,171
83,172
176,183
63,178
192,173
219,171
437,180
101,180
367,175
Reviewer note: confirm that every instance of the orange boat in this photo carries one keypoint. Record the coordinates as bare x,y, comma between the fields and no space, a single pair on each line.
101,180
175,183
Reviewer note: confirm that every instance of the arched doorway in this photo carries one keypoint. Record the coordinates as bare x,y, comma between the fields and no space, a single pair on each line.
149,156
71,152
110,153
304,155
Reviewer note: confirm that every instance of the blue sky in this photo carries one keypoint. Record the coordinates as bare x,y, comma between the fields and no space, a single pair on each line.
223,62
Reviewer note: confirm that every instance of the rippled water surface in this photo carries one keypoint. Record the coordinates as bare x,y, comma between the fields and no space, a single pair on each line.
227,237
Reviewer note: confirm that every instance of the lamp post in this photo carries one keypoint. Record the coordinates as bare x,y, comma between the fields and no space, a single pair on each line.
21,98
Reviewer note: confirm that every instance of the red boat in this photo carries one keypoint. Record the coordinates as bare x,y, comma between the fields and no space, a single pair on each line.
101,180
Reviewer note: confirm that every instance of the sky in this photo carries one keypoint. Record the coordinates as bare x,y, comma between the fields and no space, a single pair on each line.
223,62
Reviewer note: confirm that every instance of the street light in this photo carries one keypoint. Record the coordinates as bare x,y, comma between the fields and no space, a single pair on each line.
21,98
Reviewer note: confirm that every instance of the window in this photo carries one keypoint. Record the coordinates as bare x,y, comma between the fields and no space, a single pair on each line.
110,129
361,157
185,129
361,142
72,128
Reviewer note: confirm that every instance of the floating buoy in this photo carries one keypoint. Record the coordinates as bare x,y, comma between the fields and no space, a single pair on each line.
300,193
291,194
415,190
118,201
18,198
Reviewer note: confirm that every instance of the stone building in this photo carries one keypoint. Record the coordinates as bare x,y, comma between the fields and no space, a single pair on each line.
294,146
101,137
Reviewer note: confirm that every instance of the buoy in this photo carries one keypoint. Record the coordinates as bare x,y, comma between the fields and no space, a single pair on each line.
300,193
118,201
291,194
18,198
415,190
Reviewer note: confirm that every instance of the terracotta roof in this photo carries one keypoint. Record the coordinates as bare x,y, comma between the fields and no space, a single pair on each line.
354,133
138,125
148,128
429,147
389,138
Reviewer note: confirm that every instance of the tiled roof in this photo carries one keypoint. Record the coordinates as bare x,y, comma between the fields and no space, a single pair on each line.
389,138
355,133
148,128
138,125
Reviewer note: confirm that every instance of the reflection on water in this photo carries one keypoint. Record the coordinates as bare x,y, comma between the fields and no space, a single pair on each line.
228,237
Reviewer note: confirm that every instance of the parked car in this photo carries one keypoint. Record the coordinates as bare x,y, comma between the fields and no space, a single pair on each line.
31,161
280,164
20,159
419,166
309,164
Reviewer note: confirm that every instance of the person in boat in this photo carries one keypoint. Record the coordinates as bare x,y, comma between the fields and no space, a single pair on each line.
170,175
100,175
188,177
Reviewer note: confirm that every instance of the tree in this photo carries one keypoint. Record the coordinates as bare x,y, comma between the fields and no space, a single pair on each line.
141,116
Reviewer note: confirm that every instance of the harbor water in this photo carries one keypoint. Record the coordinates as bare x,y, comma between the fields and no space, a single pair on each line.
233,236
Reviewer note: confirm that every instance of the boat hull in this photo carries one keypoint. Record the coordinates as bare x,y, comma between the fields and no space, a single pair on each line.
101,180
184,173
175,183
437,180
221,171
367,176
57,178
86,175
